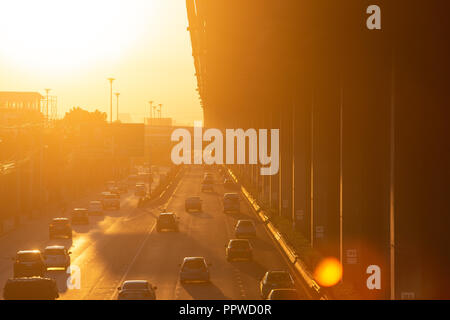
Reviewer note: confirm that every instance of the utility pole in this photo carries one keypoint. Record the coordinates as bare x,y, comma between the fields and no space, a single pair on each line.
110,98
117,95
149,120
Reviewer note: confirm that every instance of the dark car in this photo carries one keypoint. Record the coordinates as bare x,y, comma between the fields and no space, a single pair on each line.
80,216
193,203
167,221
29,263
110,201
239,249
275,280
194,269
30,288
231,202
136,290
207,186
208,178
245,229
229,184
60,227
283,294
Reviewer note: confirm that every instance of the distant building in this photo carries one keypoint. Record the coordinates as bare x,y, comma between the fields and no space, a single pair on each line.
20,100
159,122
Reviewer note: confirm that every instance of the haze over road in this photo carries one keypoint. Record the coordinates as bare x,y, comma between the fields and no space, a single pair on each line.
124,245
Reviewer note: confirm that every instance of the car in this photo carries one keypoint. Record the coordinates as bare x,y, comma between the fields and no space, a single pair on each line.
194,269
193,203
207,186
229,183
245,229
283,294
140,190
80,216
115,190
30,288
276,279
95,207
110,185
28,263
231,203
208,177
110,201
167,221
136,290
60,227
239,249
56,257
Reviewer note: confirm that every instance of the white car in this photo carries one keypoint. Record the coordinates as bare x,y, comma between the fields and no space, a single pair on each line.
56,257
95,207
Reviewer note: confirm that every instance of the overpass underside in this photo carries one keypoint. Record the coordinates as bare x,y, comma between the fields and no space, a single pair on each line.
363,118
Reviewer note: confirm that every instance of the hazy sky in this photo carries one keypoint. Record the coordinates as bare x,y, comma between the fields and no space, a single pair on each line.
73,46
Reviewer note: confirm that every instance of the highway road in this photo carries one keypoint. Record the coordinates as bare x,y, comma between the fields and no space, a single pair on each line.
124,245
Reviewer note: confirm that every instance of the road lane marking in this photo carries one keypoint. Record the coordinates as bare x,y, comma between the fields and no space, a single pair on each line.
130,265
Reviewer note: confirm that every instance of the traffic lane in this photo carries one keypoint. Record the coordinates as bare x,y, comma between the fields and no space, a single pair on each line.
204,234
84,240
105,251
237,279
161,255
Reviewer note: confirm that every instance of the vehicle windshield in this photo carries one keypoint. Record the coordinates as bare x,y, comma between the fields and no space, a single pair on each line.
61,222
278,277
54,252
239,244
110,196
231,197
134,286
166,218
194,264
28,256
80,213
245,224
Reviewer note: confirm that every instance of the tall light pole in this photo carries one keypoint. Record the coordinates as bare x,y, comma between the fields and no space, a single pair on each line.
150,103
160,106
110,98
154,111
117,95
46,108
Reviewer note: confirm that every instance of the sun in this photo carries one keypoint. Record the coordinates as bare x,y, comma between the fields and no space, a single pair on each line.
64,35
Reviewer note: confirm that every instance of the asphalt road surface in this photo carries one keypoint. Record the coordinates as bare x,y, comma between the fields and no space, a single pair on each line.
124,245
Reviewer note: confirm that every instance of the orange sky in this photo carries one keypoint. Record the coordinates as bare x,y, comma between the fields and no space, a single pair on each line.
73,46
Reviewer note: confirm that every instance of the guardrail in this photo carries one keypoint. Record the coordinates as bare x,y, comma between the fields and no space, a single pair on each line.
298,265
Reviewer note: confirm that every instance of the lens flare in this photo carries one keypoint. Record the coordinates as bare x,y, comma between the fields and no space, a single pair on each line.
328,272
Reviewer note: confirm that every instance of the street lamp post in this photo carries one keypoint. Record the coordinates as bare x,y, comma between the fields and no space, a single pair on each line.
160,107
110,98
149,120
117,95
